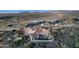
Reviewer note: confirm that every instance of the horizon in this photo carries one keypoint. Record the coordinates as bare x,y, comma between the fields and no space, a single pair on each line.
18,11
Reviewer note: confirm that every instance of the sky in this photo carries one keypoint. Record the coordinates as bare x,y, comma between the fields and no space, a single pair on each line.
16,11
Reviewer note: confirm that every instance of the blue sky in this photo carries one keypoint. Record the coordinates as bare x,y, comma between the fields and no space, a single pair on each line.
9,11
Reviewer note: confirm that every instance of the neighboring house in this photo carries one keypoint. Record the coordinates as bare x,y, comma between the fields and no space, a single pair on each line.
13,25
55,21
34,23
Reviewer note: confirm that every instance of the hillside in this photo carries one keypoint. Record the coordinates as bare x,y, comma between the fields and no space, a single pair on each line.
53,33
22,18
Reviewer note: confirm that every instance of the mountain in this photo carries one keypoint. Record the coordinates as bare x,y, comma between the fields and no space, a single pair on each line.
35,15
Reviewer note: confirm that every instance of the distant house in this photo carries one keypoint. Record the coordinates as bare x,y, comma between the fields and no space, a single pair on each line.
34,23
55,21
13,25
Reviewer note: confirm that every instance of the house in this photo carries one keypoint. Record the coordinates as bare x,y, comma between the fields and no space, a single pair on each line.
55,21
35,23
15,25
37,34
